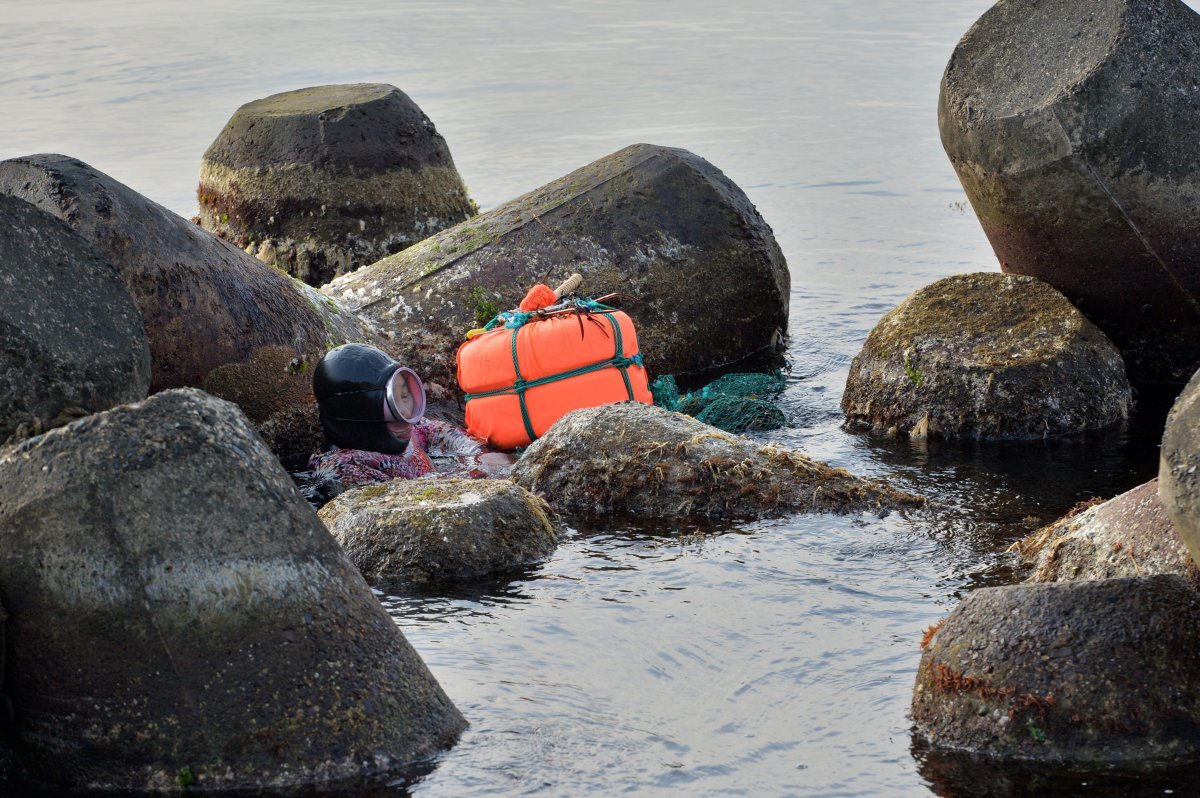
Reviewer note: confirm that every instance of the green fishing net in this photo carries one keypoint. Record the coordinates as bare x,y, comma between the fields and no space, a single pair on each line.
733,402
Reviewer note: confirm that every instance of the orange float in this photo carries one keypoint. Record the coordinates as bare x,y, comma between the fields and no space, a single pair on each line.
521,378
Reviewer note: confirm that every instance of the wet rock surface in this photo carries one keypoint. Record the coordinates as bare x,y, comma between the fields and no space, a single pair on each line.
1179,466
323,180
1129,535
642,462
1070,124
204,304
416,531
273,387
1091,671
988,356
176,605
72,341
659,224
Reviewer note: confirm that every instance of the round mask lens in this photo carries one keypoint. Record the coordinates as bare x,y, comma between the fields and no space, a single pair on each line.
406,396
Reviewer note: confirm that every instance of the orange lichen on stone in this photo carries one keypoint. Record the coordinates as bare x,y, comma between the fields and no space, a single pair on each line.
930,631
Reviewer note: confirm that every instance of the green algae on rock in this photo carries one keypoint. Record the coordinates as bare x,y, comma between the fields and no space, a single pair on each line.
1129,535
639,461
175,603
72,341
1071,124
1100,671
986,356
323,180
408,532
709,285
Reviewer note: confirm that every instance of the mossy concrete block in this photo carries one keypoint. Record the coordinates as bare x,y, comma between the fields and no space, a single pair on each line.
204,303
206,306
639,461
323,180
71,339
1179,466
176,604
1103,671
986,356
416,531
1129,535
1071,124
708,283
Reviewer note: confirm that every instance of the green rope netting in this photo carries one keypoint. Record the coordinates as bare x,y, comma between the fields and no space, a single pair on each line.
733,402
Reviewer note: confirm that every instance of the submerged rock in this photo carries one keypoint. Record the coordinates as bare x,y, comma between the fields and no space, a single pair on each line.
1179,466
1130,535
321,181
72,340
175,605
204,303
986,356
644,462
1092,671
1071,126
414,531
659,224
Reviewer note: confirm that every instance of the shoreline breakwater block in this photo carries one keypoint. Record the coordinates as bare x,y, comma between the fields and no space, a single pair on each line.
707,283
72,341
214,316
176,607
986,356
1128,535
1071,124
404,533
1086,672
1179,466
321,181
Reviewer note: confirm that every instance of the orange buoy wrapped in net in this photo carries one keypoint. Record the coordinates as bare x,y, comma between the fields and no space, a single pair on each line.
521,377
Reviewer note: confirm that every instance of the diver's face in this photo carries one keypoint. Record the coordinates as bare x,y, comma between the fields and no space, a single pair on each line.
404,404
403,398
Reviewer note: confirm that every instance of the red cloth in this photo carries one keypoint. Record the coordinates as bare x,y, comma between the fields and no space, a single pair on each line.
540,296
436,449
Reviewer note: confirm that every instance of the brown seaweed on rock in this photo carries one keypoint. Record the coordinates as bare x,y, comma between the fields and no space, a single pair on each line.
641,461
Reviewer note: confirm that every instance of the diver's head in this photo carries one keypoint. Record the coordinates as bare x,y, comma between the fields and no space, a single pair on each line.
366,399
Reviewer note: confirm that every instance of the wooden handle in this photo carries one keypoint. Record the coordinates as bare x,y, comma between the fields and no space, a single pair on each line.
569,285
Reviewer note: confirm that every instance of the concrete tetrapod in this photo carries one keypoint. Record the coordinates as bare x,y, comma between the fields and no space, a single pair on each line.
323,180
407,532
1179,466
215,317
1129,535
72,339
986,356
179,614
708,283
1071,124
1090,671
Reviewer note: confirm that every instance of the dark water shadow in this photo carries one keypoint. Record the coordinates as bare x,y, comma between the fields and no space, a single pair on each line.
984,494
956,775
502,586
